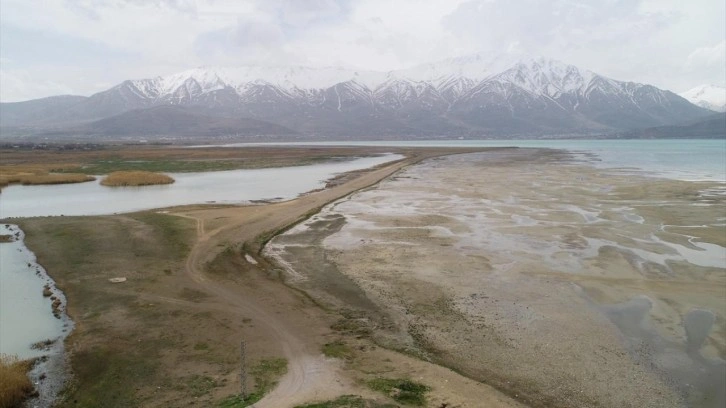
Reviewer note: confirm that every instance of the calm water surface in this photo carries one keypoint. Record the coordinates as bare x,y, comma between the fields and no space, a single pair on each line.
683,159
235,186
25,315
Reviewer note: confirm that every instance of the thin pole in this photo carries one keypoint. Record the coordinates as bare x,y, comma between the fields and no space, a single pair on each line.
243,371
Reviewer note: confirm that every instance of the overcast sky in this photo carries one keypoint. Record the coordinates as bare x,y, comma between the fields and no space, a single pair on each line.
51,47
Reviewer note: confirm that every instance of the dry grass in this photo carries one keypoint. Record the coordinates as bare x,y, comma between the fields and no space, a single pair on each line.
14,383
39,174
135,178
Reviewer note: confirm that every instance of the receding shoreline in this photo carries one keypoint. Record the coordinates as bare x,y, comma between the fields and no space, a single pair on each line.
151,250
185,270
512,304
44,360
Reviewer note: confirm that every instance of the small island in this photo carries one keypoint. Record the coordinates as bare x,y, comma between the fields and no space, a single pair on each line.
41,174
135,178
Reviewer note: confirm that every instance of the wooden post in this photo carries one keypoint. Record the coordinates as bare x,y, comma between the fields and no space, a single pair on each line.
243,371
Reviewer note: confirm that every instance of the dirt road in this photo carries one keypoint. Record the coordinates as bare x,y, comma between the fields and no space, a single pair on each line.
309,374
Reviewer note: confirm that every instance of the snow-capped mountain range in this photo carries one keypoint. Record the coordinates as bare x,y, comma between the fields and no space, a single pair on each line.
474,96
707,96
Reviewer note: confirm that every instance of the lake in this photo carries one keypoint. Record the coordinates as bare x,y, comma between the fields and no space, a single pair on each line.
22,280
225,187
683,159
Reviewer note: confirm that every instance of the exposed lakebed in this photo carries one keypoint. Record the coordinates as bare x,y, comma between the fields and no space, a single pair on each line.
561,283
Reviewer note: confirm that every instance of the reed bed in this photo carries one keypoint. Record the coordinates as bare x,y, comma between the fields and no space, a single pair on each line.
39,174
135,178
15,386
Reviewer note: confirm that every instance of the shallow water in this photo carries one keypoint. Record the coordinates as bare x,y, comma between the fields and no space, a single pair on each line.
230,187
25,315
514,226
701,380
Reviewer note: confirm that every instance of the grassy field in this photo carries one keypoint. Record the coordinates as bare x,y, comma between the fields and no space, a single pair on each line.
131,348
27,166
104,160
135,178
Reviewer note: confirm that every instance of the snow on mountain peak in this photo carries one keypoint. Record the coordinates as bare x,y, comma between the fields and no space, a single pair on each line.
707,96
449,78
476,67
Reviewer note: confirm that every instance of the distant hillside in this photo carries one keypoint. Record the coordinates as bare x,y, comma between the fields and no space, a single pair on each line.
160,122
181,122
711,127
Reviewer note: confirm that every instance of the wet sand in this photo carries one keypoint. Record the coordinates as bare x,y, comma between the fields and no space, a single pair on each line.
558,283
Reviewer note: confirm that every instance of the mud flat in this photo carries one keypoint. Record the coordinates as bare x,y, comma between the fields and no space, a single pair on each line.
556,282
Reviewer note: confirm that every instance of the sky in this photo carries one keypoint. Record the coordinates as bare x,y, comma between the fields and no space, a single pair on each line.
53,47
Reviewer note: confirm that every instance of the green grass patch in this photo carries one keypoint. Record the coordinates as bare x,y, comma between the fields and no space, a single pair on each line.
195,165
199,385
175,233
338,349
347,401
266,374
352,326
106,377
401,390
176,166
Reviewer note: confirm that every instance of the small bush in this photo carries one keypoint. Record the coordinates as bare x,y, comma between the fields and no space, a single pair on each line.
15,386
337,349
401,390
199,385
346,401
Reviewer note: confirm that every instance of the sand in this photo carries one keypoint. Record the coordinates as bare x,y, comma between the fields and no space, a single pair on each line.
557,283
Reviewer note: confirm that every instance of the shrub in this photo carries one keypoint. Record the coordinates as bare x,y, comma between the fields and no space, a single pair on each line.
401,390
15,386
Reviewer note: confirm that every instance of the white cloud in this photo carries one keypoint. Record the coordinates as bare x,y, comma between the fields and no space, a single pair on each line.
666,42
18,82
708,56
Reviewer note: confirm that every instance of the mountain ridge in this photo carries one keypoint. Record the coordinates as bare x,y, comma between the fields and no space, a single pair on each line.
473,96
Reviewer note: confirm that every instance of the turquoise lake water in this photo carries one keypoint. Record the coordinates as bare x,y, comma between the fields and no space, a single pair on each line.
683,159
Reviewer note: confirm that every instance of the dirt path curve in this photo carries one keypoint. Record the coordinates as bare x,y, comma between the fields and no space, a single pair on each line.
309,373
